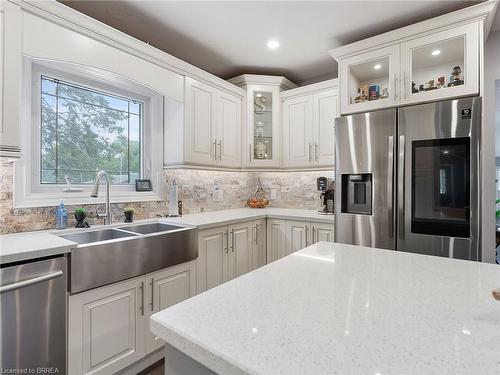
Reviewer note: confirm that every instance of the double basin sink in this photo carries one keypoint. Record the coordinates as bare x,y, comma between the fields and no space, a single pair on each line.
110,255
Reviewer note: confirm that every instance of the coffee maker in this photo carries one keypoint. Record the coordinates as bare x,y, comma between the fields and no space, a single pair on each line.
326,186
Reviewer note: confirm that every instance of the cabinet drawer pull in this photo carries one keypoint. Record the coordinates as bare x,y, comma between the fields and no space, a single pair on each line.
215,149
220,149
227,242
307,231
142,298
152,294
310,156
316,153
314,235
250,152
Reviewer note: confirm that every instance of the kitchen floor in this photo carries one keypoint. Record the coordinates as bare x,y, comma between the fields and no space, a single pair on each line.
157,368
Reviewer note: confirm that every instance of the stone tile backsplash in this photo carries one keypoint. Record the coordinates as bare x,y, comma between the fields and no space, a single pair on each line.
195,189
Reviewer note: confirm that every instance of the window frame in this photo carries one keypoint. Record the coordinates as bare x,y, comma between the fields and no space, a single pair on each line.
29,191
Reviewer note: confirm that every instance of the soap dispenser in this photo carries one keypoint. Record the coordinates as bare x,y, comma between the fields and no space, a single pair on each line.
61,216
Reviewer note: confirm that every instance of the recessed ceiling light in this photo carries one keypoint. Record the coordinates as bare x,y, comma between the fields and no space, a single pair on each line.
377,66
436,52
273,44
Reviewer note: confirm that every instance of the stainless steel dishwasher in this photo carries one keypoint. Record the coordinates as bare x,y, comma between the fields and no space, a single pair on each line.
33,316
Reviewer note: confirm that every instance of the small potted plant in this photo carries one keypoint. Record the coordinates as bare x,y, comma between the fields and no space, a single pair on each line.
80,215
129,215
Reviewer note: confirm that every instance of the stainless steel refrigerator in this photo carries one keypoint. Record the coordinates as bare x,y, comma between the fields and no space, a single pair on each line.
408,179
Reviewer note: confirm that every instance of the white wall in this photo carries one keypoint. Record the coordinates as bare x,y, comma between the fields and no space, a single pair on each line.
491,73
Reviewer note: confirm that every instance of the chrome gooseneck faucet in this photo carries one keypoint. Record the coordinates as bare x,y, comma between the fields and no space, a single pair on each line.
95,191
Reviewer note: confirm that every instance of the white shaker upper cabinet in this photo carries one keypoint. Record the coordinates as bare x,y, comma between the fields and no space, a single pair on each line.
441,65
325,105
298,142
201,146
228,137
369,80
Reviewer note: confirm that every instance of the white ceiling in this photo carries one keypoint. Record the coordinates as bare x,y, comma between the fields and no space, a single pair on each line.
229,38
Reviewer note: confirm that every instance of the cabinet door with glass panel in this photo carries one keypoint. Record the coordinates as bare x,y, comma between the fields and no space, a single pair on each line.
263,126
369,80
441,65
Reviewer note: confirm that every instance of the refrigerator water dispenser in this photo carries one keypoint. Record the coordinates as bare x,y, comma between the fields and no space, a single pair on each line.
357,193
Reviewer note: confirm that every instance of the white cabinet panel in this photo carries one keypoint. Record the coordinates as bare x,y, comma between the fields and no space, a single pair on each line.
322,232
259,248
166,288
11,22
240,249
297,235
325,111
212,247
276,239
200,120
298,132
228,136
106,327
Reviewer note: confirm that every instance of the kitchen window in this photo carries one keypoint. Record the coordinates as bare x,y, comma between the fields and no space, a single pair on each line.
78,120
83,130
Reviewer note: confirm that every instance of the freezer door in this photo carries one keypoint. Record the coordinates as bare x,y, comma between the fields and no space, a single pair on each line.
364,195
438,178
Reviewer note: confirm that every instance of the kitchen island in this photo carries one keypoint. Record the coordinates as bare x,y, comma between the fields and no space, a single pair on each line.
341,309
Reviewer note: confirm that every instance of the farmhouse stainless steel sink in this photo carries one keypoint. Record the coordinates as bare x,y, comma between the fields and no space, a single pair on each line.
109,255
96,236
150,228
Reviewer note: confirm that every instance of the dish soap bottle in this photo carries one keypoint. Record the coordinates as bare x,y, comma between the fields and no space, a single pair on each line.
61,216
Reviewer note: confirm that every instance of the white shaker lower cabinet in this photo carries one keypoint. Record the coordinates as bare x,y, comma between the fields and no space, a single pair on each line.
259,248
224,253
165,288
109,326
321,232
238,257
106,328
298,235
287,236
212,247
276,239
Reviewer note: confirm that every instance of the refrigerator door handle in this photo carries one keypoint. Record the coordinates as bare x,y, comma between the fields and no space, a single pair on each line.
401,187
390,185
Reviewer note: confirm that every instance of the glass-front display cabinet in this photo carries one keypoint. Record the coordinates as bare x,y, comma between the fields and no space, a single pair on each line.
441,65
263,134
262,147
369,80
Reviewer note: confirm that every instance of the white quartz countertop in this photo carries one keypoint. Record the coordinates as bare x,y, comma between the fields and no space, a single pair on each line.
342,309
31,245
215,218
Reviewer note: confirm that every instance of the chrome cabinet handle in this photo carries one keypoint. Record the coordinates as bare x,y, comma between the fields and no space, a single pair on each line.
316,154
395,87
310,157
227,242
142,298
152,294
220,149
215,149
390,183
255,233
307,231
405,88
232,240
401,185
314,235
35,280
250,152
